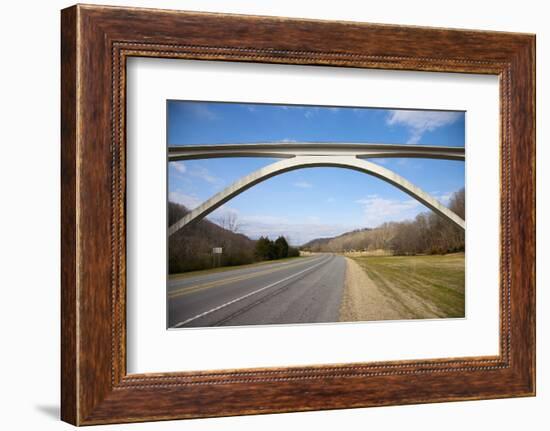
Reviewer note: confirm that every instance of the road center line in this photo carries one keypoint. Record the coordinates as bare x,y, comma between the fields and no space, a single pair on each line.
195,288
240,298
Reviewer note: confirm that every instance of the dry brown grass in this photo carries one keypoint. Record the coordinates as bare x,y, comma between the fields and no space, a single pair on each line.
404,287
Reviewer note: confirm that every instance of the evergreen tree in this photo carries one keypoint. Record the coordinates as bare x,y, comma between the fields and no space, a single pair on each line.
281,247
263,248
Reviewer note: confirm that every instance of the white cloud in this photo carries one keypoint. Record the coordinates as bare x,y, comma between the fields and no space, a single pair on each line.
204,174
202,111
179,167
420,122
297,232
265,219
303,184
192,201
189,201
379,210
193,170
444,197
309,113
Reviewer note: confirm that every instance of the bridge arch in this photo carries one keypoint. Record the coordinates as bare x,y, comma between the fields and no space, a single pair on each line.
299,162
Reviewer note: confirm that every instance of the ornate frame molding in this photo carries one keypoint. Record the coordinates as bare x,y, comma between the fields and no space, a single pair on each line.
96,41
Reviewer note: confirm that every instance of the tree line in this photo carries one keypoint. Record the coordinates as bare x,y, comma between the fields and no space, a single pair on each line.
428,233
190,248
267,249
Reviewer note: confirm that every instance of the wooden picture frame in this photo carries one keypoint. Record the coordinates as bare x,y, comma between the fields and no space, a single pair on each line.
95,43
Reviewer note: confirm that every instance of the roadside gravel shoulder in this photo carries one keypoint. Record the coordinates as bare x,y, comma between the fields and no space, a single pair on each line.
363,300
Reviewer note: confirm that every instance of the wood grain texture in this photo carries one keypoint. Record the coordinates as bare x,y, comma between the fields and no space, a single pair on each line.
96,41
69,331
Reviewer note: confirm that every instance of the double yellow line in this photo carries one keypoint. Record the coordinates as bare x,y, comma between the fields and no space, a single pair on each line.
192,289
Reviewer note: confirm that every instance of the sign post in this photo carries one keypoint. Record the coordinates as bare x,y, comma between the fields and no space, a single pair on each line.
217,256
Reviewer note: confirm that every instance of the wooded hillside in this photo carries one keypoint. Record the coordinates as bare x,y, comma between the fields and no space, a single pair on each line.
190,248
428,233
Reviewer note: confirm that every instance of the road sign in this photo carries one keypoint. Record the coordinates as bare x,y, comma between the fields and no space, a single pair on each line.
217,250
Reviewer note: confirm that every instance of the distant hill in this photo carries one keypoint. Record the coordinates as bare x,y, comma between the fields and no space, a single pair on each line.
190,248
354,240
318,244
428,233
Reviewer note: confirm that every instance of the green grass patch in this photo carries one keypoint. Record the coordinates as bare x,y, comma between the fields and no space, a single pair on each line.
436,279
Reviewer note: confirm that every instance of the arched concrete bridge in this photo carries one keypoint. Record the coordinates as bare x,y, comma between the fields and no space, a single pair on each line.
306,155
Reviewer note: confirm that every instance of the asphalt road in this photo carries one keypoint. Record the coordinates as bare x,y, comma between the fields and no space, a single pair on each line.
304,290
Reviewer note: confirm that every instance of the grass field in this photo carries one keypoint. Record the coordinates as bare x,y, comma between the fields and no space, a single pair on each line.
416,281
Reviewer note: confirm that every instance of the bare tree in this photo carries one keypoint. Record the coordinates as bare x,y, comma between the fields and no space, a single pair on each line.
229,221
191,247
427,233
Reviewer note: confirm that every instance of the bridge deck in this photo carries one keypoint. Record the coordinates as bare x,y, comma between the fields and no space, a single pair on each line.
291,149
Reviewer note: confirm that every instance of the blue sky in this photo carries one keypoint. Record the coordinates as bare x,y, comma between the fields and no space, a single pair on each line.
314,202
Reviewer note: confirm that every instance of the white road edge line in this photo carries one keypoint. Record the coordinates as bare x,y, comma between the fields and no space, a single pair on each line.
235,269
240,298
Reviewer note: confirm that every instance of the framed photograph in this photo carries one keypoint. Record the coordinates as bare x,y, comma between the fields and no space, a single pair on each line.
264,215
306,246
